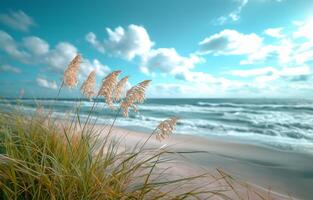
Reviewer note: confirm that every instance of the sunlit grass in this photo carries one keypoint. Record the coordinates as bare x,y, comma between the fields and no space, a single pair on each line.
46,158
41,159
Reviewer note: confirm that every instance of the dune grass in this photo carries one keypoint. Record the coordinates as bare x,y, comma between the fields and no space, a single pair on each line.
42,159
46,158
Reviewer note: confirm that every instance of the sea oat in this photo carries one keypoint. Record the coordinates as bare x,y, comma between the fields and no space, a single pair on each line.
70,74
134,95
165,128
88,87
120,87
108,86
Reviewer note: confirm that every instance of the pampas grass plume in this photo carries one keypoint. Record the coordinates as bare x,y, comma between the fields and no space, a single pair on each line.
134,95
108,86
166,128
70,74
88,87
120,88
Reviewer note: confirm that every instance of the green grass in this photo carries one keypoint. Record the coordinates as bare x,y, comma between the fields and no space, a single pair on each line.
42,158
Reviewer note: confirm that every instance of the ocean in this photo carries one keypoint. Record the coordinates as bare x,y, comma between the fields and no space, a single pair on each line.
284,124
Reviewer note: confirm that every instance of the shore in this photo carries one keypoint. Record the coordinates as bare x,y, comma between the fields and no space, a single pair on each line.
283,175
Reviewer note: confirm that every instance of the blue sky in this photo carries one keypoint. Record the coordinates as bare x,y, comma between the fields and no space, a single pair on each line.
199,48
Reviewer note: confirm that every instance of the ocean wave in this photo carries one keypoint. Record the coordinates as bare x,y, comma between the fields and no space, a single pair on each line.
276,123
258,106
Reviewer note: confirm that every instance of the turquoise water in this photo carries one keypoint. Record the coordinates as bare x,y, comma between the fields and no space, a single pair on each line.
285,124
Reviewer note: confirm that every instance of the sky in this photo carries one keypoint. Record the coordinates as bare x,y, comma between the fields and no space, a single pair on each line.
188,48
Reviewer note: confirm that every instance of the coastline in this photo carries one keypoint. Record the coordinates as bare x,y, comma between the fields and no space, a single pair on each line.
289,176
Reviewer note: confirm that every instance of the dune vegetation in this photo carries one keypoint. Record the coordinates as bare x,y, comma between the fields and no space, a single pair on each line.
43,157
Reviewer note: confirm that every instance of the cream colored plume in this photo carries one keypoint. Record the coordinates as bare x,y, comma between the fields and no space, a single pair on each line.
120,88
70,74
88,87
134,95
108,86
165,128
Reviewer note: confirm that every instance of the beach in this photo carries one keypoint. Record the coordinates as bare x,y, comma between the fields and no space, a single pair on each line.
267,144
286,175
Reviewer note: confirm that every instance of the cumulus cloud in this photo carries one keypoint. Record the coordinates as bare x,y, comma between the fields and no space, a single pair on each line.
124,43
17,20
92,39
274,32
87,66
304,30
36,45
230,42
59,57
282,52
167,60
9,68
295,48
42,82
36,51
8,45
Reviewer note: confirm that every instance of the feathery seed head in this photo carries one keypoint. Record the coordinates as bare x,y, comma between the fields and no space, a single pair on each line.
88,87
166,128
134,95
70,74
120,87
108,86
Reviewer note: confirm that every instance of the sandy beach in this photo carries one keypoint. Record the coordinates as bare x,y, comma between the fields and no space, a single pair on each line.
283,175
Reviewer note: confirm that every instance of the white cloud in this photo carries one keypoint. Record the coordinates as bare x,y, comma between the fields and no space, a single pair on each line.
232,16
294,48
123,43
253,72
17,20
271,73
9,68
36,51
167,60
59,57
212,87
281,52
42,82
8,45
230,42
274,32
92,39
87,66
304,52
304,30
304,56
36,45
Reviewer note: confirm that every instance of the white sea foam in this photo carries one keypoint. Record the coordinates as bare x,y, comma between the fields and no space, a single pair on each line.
279,124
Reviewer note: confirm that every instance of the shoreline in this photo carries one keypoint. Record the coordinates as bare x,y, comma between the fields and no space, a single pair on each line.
290,175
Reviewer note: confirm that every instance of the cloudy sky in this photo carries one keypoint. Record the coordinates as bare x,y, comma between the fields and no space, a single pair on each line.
189,48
